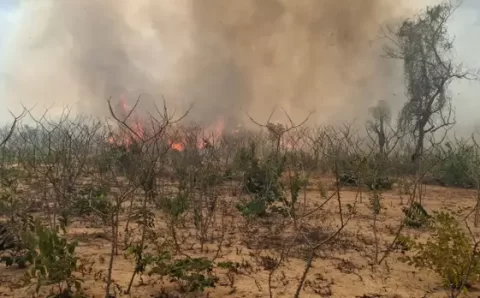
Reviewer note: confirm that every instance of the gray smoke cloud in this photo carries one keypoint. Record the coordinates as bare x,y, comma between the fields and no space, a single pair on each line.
226,57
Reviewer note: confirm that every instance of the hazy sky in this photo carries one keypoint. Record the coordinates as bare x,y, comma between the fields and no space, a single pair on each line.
8,17
465,26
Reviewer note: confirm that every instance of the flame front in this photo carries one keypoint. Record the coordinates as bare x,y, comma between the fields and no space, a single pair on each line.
126,136
209,136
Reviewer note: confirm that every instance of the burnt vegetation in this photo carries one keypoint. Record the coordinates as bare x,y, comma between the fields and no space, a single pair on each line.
165,208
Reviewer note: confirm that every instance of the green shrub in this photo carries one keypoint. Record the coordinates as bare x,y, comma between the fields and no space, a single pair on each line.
416,216
348,179
404,243
16,240
372,183
92,201
174,206
54,262
191,274
261,181
449,252
455,169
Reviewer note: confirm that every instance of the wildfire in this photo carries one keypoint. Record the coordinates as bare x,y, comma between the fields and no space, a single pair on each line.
126,137
177,146
210,134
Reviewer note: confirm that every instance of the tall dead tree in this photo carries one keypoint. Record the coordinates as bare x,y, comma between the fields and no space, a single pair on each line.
425,47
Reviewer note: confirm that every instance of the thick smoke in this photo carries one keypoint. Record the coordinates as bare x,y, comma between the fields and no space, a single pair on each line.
228,58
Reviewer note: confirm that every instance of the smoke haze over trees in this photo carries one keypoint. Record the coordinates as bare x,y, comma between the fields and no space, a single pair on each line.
228,58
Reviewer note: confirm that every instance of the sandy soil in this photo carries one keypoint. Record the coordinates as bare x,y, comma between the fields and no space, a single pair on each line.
341,269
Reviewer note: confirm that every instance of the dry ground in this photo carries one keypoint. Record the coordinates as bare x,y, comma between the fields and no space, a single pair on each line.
340,270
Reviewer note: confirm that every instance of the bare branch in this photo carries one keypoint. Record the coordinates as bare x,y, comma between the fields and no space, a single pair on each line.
11,130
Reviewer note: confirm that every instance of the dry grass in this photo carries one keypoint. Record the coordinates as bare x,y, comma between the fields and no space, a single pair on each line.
342,268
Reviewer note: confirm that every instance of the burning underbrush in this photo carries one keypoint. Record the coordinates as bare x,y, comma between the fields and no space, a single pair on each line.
134,127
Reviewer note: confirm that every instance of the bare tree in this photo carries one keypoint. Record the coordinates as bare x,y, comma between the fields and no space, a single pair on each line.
425,47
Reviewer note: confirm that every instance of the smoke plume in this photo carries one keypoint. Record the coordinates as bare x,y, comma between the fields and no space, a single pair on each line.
228,58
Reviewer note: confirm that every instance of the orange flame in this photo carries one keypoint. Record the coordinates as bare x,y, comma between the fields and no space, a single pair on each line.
210,135
178,146
126,137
